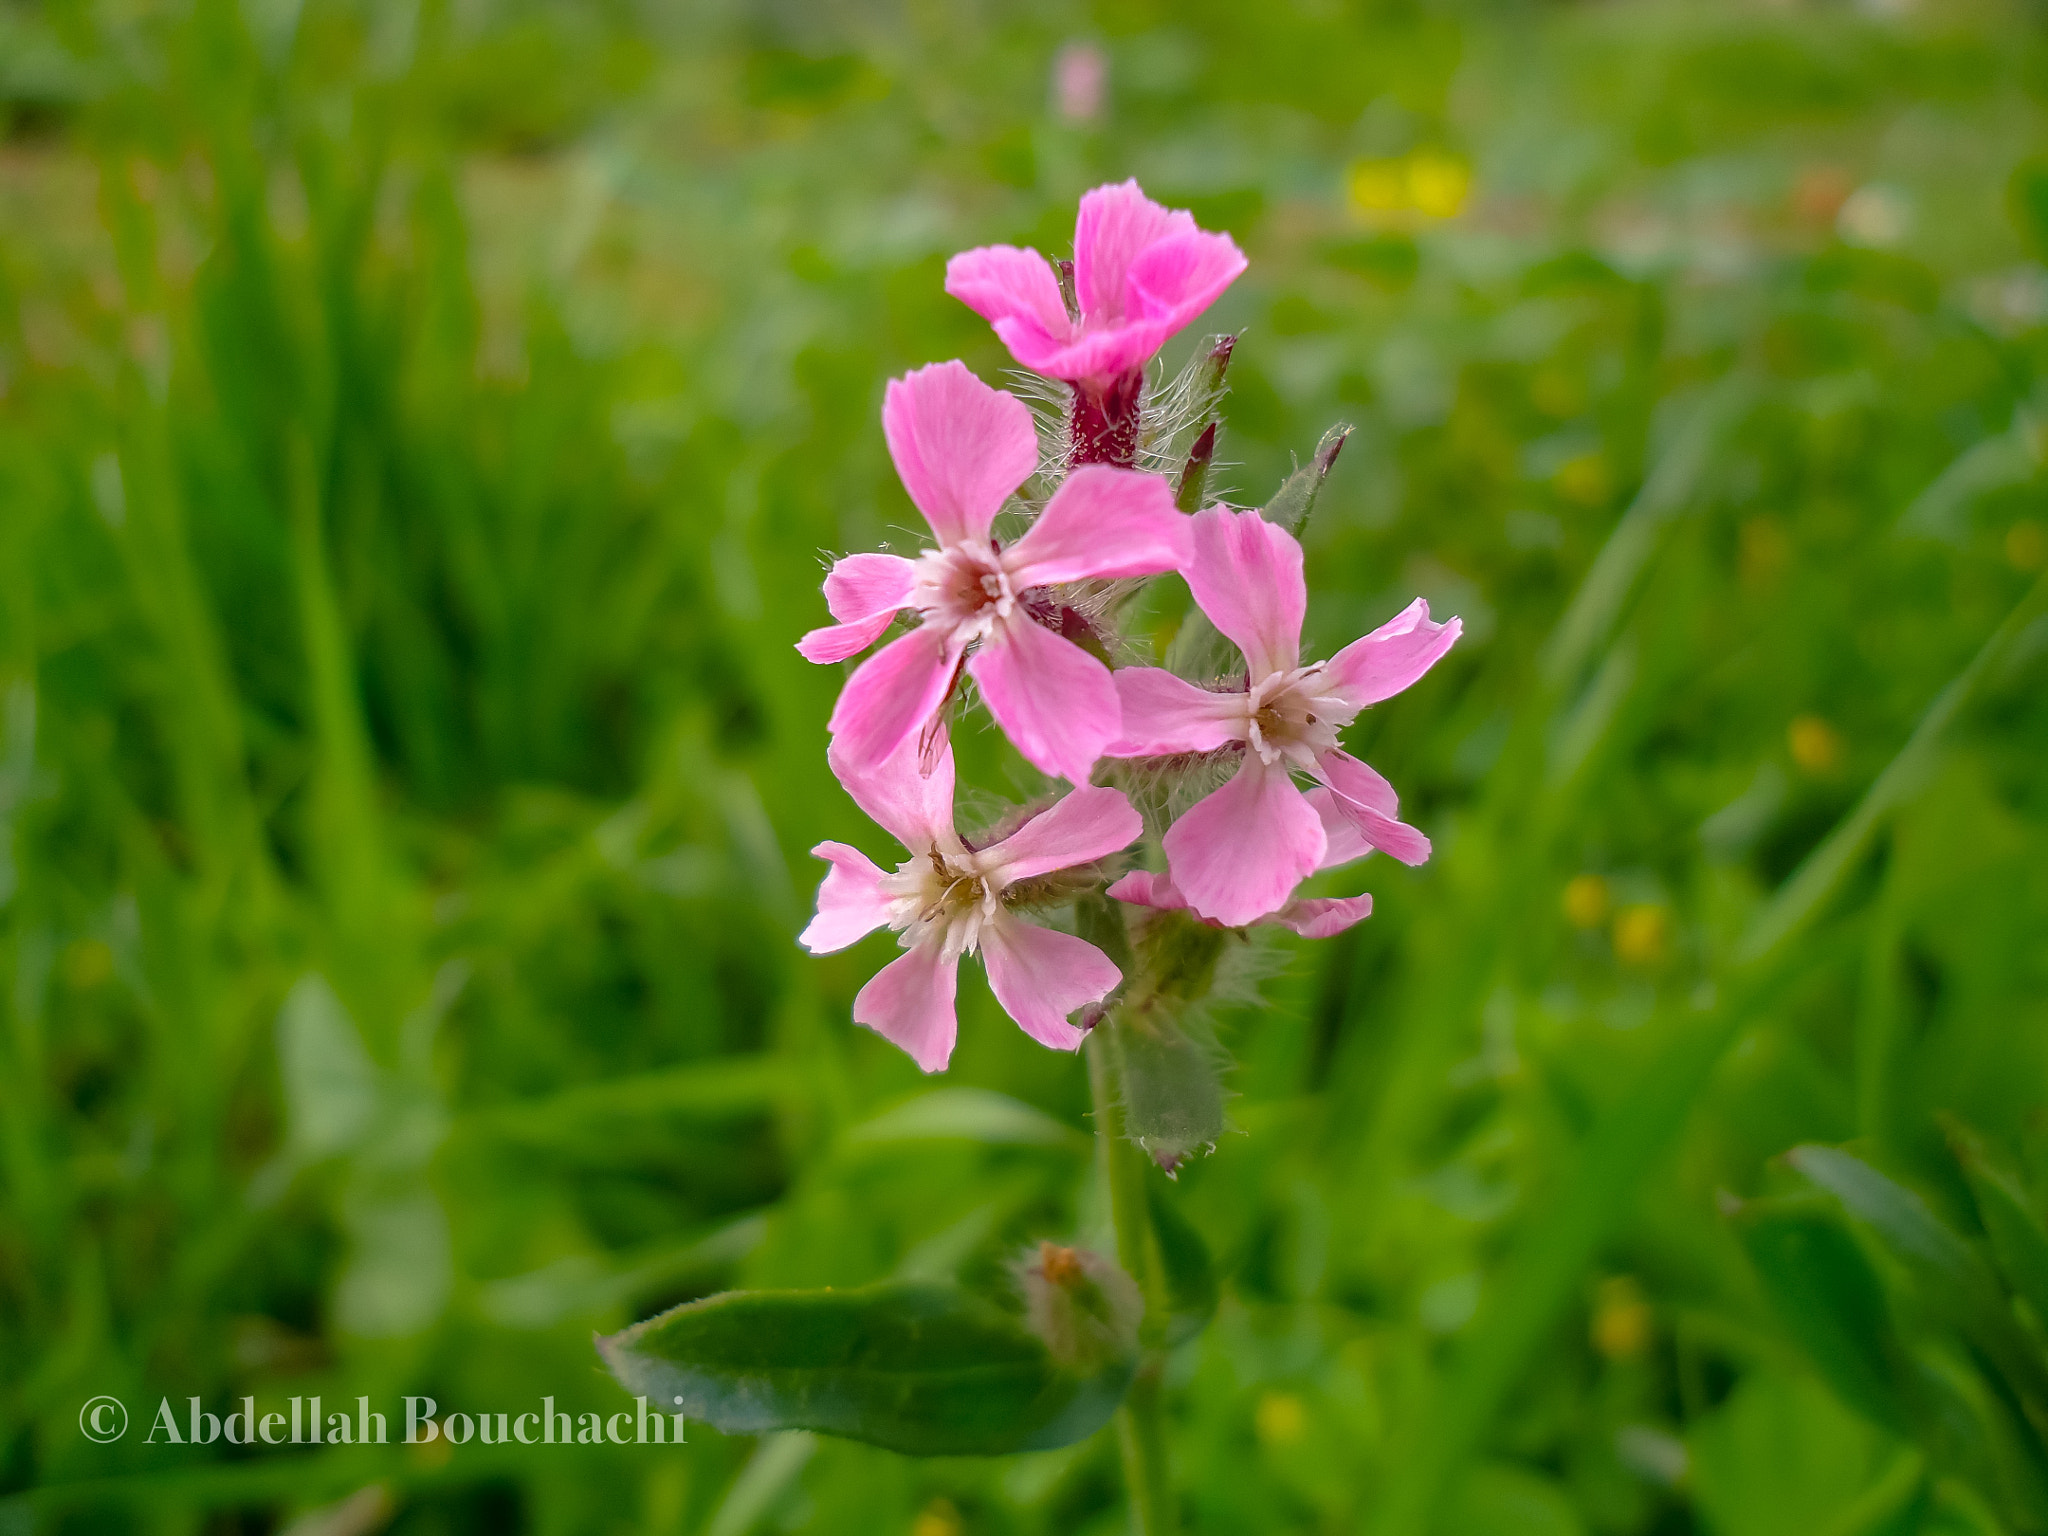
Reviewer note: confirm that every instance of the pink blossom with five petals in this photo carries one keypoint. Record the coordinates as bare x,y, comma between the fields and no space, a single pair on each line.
961,448
1237,853
1141,273
948,899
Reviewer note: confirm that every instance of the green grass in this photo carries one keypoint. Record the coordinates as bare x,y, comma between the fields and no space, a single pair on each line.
419,432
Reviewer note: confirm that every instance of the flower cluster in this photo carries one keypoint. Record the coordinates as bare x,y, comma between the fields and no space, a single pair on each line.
1031,621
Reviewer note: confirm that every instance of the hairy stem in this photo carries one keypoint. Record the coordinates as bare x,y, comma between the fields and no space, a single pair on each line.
1141,1422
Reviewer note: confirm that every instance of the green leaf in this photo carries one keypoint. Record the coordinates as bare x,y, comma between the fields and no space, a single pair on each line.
1831,1301
2011,1219
1898,1215
1782,1458
968,1114
1191,1289
929,1370
1953,1281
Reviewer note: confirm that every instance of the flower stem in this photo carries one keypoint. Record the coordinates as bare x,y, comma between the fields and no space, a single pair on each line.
1141,1422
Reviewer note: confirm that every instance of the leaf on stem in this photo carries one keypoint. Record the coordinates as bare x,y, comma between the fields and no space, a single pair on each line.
925,1369
1951,1277
2011,1218
1830,1300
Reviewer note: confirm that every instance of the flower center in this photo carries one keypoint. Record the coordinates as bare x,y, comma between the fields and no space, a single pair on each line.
1294,716
942,897
963,587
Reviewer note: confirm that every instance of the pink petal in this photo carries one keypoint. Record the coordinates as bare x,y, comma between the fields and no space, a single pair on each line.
861,586
1040,976
1102,522
1342,841
837,642
960,446
1238,854
1392,656
1246,576
1323,917
1097,354
909,1002
1370,803
1115,225
1055,702
1088,824
1143,888
1001,282
891,695
864,592
1179,277
1164,714
851,902
914,806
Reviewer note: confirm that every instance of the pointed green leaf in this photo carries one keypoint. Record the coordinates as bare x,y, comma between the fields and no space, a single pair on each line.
1831,1301
1953,1281
929,1370
1898,1215
2013,1221
968,1114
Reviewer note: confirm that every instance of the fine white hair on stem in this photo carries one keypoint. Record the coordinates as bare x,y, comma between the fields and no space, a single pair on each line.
1175,410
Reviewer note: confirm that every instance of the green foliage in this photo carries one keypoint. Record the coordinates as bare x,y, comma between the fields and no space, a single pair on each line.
1832,1301
1975,1398
418,428
925,1369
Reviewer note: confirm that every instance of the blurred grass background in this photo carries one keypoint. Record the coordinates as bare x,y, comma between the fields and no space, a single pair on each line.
419,428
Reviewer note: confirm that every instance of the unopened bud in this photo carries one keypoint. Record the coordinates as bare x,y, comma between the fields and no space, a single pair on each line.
1083,1306
1327,450
1215,366
1195,477
1296,497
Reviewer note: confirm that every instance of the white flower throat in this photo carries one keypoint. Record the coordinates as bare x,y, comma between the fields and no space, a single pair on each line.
944,896
1295,716
963,587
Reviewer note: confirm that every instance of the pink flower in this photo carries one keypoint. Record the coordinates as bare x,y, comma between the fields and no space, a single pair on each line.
1313,917
1080,79
948,899
962,448
1141,273
1239,852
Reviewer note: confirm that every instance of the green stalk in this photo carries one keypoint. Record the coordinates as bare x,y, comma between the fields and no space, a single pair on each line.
1141,1422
